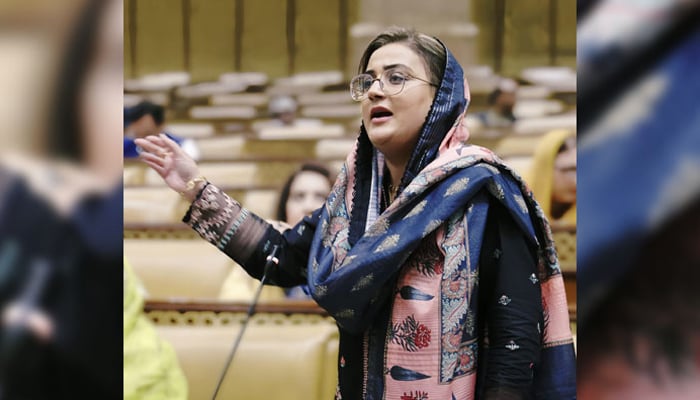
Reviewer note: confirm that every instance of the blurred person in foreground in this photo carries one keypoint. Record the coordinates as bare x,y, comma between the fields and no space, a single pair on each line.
552,176
639,204
430,254
304,192
147,118
282,111
151,368
60,230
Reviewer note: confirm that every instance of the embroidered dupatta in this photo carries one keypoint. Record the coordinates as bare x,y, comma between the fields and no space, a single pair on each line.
357,251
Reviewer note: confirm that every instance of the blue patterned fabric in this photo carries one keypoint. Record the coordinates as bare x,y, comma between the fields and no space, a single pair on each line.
637,170
362,271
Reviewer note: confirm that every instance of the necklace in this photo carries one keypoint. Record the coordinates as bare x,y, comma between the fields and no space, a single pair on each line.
390,192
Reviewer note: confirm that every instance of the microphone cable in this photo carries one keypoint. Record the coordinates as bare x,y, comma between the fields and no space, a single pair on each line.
270,261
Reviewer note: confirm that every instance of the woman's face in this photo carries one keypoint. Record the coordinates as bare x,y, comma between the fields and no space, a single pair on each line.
307,193
393,123
564,178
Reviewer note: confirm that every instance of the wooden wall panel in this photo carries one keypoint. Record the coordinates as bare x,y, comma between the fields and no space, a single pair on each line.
353,10
212,33
317,36
484,16
281,37
526,35
566,32
160,36
264,37
128,4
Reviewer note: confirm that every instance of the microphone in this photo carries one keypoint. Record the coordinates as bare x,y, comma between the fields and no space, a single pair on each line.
270,261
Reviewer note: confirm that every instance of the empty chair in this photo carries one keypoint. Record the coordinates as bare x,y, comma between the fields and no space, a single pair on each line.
178,268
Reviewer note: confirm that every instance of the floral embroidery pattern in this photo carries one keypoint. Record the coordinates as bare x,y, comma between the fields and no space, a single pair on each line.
533,279
457,187
458,315
520,201
512,346
432,225
363,282
388,243
410,334
504,300
212,212
417,209
426,259
380,227
419,395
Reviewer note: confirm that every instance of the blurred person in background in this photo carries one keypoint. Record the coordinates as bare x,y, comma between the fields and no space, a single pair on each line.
501,102
282,113
638,232
60,229
283,109
147,118
303,193
552,176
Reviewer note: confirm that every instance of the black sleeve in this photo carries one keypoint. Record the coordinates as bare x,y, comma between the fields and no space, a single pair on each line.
510,309
293,253
248,239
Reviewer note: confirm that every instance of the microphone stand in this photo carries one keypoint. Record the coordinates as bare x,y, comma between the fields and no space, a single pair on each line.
271,260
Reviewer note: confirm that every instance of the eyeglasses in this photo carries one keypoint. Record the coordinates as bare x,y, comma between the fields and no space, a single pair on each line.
391,82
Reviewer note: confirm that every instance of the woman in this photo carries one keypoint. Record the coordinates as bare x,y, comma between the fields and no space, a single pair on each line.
436,264
61,231
303,193
552,177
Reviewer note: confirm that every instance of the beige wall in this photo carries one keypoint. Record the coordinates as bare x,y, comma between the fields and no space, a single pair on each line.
281,37
515,34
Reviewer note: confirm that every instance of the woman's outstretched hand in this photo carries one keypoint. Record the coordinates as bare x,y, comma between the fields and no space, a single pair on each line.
172,164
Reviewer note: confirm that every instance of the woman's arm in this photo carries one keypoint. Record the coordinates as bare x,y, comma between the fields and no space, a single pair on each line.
248,239
222,221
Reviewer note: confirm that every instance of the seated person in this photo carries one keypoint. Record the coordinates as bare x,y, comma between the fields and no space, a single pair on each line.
282,111
500,112
145,119
552,176
305,191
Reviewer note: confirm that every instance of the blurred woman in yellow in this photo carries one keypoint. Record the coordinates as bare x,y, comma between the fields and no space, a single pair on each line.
151,369
552,176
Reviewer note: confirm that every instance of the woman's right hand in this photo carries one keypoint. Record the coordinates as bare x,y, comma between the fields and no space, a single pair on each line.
168,159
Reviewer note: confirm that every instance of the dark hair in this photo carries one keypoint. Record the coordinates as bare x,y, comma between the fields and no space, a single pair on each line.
566,144
430,50
66,135
493,96
284,195
142,109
